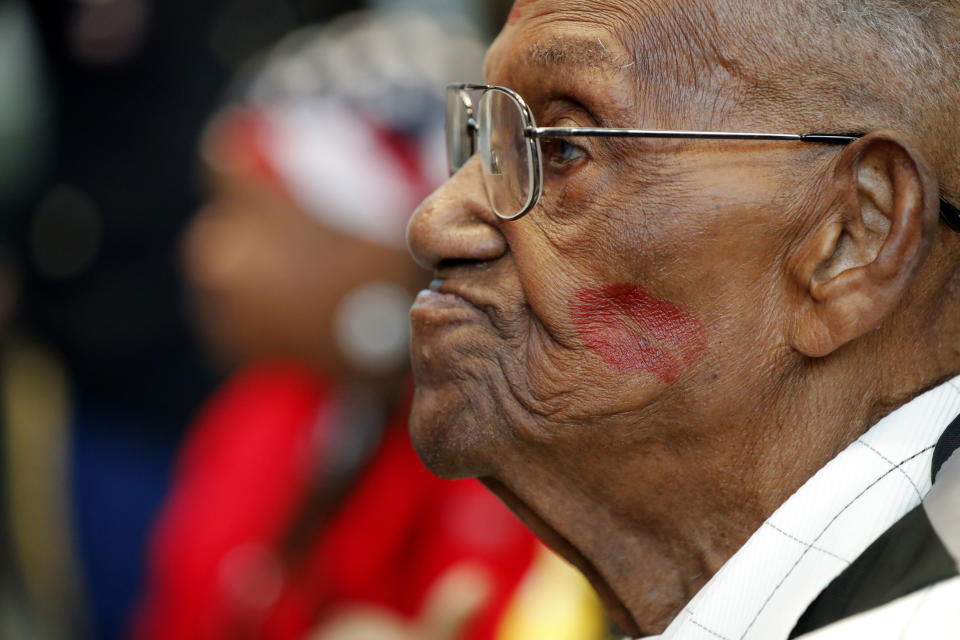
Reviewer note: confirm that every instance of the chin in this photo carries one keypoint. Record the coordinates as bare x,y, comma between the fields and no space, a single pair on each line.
446,433
454,425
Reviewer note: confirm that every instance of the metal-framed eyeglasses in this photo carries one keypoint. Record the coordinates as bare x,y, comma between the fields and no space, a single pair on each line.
501,127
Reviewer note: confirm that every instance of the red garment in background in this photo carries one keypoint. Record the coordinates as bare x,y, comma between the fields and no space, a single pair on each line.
244,472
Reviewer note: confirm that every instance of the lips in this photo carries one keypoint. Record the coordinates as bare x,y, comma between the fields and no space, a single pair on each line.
442,308
431,297
635,332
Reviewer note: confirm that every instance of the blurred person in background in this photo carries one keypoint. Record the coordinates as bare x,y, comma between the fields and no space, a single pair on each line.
40,595
99,410
101,102
299,508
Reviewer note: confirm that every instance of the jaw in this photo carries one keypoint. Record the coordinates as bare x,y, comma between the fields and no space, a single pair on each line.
466,420
452,449
619,526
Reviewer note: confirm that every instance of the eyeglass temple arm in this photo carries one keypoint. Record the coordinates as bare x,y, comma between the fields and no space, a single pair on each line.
949,213
599,132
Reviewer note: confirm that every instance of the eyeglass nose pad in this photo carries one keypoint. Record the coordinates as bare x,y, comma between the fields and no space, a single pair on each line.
469,148
473,130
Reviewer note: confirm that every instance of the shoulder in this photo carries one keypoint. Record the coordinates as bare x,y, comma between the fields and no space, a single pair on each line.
906,581
921,615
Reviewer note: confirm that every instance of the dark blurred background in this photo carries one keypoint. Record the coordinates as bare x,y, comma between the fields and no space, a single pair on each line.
101,106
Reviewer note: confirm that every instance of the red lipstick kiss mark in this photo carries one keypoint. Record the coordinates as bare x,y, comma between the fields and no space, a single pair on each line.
635,332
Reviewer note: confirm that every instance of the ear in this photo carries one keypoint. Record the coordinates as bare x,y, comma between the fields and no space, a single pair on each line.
856,265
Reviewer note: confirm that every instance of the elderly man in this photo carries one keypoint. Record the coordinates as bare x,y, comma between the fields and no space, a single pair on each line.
713,369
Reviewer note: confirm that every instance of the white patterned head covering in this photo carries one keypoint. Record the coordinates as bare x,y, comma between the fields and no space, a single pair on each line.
347,117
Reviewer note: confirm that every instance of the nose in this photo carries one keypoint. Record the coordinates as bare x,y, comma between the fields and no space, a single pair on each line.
455,223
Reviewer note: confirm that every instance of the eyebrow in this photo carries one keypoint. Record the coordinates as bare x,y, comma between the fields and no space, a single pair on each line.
584,53
591,56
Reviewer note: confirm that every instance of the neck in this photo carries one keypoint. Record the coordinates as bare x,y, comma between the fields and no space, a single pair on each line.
652,508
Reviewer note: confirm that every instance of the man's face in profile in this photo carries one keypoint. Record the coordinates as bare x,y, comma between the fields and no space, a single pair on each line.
571,358
639,279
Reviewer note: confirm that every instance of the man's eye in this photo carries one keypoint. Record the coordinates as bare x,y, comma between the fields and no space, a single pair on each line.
561,154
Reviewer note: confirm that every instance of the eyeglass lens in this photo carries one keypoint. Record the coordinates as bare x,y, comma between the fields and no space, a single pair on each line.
506,153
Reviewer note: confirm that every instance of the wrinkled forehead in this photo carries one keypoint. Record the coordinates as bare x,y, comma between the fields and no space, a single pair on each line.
557,36
660,53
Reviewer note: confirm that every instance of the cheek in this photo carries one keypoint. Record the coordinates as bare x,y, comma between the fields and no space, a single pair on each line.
634,332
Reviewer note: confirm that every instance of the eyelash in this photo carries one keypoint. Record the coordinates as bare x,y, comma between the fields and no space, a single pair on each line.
550,147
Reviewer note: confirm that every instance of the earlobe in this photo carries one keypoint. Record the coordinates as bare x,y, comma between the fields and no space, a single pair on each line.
860,261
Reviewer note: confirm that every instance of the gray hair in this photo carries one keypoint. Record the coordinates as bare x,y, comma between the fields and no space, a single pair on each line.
911,51
810,65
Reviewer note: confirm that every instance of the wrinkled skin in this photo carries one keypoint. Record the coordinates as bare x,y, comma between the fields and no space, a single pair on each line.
648,481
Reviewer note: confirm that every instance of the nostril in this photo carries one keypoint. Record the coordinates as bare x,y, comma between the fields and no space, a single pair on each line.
453,263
